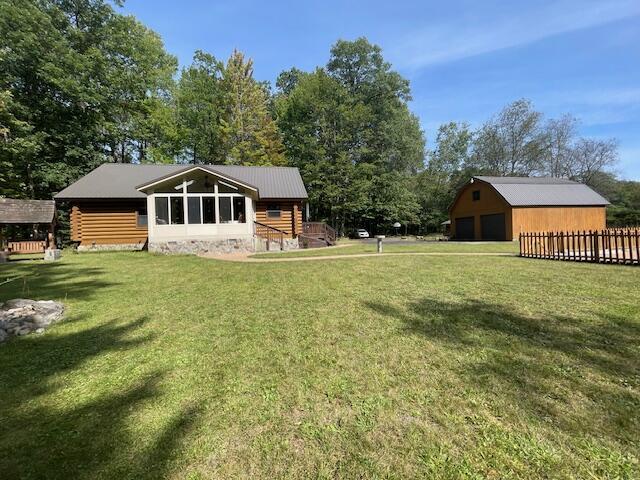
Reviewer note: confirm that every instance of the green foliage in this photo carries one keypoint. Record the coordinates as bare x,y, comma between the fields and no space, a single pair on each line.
199,98
224,114
249,134
625,197
437,185
85,83
349,130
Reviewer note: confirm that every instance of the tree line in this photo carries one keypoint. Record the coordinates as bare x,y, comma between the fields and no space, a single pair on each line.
81,84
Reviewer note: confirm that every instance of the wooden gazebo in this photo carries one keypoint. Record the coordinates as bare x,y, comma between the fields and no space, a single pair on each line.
28,212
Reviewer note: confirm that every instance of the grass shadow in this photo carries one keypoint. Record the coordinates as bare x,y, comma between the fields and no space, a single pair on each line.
51,281
582,375
93,435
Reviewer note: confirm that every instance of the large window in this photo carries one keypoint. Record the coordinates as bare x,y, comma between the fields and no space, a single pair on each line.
206,202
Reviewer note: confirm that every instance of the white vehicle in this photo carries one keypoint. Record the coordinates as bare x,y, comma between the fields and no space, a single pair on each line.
362,233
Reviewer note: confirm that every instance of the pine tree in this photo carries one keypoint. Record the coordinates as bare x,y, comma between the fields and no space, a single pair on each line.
250,135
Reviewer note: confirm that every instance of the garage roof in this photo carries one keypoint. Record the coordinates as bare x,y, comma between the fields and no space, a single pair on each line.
118,180
543,191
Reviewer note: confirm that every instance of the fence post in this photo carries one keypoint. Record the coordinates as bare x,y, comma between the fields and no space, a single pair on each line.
520,243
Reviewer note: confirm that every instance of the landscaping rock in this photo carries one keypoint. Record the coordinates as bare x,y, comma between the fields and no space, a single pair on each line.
21,316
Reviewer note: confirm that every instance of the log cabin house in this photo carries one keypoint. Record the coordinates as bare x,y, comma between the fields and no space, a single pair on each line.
500,208
186,208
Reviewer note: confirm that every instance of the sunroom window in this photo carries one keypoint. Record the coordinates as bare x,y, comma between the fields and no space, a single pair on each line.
225,209
177,210
162,211
208,210
238,210
205,200
193,210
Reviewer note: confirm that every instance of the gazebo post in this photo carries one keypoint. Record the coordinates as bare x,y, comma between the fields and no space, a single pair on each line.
51,252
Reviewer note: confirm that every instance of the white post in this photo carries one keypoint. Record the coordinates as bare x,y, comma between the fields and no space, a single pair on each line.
379,238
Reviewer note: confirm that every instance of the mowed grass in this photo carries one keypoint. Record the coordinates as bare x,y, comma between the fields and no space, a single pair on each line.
416,366
351,248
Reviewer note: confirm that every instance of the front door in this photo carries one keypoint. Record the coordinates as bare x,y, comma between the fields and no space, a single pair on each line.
464,228
493,227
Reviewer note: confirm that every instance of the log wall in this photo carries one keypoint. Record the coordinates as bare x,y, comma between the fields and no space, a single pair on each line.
108,222
290,219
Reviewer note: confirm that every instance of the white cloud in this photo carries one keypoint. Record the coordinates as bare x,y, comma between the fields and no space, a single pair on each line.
477,33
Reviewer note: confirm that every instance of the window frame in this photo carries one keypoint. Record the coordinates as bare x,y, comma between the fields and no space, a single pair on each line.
475,196
185,195
270,211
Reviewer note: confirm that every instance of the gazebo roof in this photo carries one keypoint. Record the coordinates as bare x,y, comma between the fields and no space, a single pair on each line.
13,211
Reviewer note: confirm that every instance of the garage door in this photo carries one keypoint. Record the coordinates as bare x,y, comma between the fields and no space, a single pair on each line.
493,227
464,228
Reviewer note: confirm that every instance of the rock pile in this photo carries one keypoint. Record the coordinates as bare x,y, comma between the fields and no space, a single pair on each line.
20,316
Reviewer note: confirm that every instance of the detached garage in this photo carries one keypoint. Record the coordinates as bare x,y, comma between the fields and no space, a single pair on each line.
499,208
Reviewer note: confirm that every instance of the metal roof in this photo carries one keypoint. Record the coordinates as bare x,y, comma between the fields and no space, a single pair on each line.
543,191
119,181
26,211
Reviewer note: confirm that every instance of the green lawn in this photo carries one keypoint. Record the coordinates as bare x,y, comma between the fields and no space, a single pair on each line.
349,248
416,366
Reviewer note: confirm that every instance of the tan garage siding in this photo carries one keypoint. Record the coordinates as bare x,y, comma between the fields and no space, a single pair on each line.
290,219
110,222
490,203
552,219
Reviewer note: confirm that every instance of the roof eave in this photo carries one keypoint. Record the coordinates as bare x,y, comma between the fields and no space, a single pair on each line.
188,169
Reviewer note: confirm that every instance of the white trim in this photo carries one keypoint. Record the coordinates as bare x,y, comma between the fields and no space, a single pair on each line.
227,185
197,167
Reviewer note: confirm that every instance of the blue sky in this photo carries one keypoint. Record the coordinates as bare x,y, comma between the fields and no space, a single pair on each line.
465,59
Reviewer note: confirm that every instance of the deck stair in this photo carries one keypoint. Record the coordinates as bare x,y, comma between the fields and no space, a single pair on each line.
273,237
316,234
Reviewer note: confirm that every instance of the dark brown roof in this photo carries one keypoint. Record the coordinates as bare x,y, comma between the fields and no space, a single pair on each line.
26,211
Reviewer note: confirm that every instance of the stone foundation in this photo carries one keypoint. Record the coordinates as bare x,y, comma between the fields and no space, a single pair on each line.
222,246
111,247
195,247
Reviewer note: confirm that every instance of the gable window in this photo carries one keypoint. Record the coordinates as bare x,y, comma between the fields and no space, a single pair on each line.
273,211
476,195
